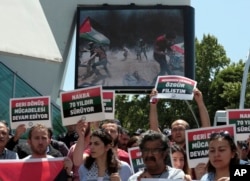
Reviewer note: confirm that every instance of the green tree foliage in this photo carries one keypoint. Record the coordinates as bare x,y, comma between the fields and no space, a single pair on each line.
210,60
132,111
226,88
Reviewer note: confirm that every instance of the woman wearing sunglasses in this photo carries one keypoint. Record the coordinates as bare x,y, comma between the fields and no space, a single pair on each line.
222,154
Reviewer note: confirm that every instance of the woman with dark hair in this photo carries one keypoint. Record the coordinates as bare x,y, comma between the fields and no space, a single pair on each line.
179,160
102,164
222,154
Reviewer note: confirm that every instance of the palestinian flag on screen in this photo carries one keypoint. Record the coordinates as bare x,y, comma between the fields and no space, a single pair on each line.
30,169
88,32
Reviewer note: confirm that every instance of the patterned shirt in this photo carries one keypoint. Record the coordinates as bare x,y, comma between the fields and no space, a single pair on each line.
92,174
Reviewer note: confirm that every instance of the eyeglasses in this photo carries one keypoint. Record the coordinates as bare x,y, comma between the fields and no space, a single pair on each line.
178,129
153,151
224,134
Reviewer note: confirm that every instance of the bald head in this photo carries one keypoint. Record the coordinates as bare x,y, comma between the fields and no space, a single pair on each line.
178,128
180,122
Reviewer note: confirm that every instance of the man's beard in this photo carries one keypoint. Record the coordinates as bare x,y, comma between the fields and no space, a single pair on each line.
39,150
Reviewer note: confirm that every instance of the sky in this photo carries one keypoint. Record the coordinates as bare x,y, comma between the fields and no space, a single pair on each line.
227,20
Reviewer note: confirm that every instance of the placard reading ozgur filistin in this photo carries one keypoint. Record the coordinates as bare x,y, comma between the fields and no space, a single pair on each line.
30,109
175,87
240,172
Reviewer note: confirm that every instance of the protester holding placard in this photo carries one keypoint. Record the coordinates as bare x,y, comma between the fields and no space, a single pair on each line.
102,163
86,146
14,140
179,126
222,154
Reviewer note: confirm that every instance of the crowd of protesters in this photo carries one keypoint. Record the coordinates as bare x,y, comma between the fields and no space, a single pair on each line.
99,150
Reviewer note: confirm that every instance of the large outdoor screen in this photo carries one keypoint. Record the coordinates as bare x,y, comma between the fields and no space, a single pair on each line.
125,48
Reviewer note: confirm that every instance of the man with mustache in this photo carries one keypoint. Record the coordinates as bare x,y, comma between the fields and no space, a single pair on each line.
154,149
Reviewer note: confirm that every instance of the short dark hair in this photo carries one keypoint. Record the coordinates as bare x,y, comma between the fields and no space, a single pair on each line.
138,132
124,131
112,121
152,135
39,126
134,139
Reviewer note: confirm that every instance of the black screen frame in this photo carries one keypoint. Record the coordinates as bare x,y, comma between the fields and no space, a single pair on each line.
188,37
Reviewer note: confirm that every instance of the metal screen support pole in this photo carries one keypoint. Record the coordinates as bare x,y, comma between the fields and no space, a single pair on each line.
195,118
244,82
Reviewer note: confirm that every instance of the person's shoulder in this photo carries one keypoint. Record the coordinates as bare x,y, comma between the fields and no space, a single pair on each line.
207,176
244,162
123,155
11,154
57,142
27,157
50,156
9,151
121,152
125,170
54,152
172,169
72,148
175,173
124,165
134,176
